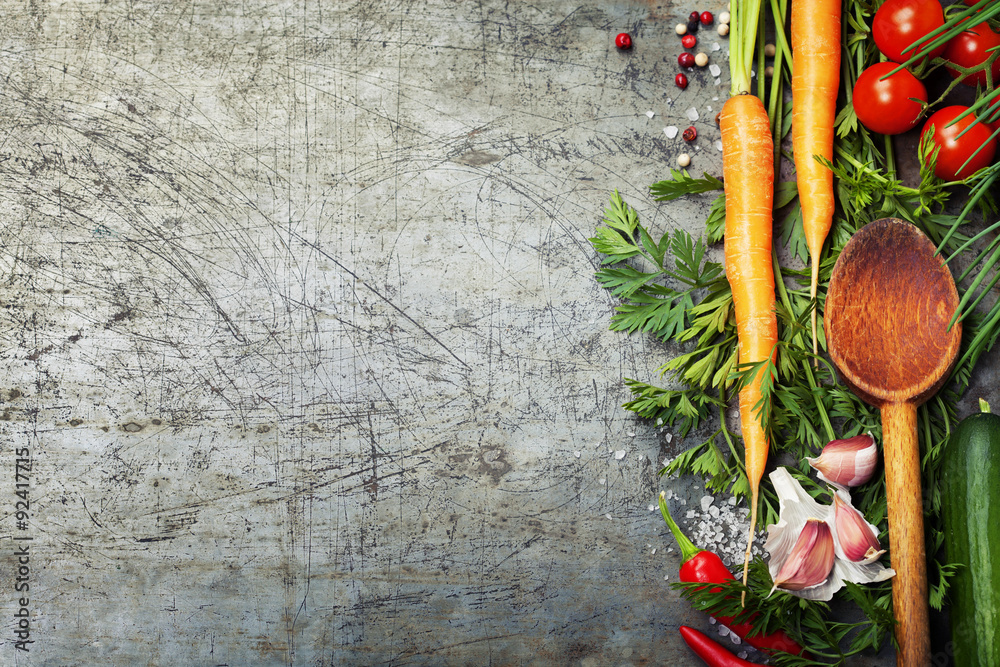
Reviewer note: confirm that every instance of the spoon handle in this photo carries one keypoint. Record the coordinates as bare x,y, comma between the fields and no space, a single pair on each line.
906,533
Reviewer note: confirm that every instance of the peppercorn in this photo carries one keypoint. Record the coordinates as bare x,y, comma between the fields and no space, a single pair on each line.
690,134
681,81
623,41
685,59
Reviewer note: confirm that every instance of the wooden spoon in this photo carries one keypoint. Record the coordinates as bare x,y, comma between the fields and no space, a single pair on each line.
888,307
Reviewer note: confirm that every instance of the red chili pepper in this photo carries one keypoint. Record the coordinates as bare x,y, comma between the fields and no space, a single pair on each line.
699,565
710,651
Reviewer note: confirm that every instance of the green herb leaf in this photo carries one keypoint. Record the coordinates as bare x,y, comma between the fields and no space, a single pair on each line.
681,183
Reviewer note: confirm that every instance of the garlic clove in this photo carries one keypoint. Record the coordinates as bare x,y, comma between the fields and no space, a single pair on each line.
855,539
811,559
847,463
795,507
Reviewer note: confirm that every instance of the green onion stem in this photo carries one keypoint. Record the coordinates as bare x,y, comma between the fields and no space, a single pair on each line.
964,246
982,294
981,276
975,195
989,325
982,257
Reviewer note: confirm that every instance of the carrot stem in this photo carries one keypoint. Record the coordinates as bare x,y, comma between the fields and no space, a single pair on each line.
743,19
787,303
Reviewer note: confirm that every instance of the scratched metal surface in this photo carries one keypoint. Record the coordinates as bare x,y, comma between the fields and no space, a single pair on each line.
300,328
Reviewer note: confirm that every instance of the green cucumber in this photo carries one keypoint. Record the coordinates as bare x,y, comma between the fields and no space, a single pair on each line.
970,485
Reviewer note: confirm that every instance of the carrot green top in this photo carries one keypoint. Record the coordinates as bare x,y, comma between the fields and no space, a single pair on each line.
742,40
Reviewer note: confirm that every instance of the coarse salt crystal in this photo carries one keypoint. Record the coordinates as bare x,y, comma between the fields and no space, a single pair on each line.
718,82
723,631
718,144
691,514
715,46
714,69
735,638
576,454
668,437
706,501
620,454
602,481
650,114
608,517
670,131
711,620
652,508
692,114
654,551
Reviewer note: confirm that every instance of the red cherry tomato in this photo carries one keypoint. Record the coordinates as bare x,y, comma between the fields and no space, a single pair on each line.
955,149
885,106
969,49
899,23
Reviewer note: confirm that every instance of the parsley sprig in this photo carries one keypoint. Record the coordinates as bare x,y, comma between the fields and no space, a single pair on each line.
651,305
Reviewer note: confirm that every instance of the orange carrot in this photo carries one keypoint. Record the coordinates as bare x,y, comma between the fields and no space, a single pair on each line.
815,80
748,176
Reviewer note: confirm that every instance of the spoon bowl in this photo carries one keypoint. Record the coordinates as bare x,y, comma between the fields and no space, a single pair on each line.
888,307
